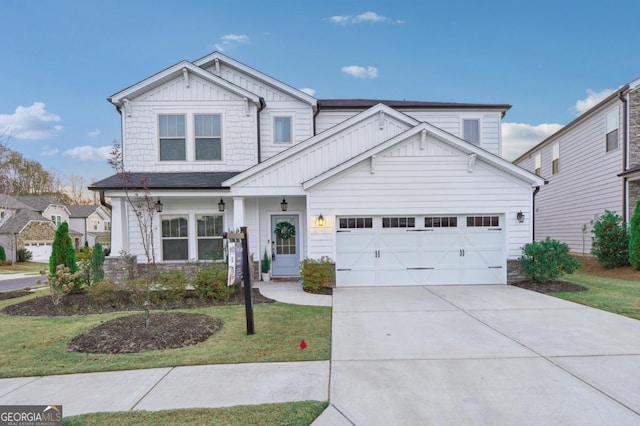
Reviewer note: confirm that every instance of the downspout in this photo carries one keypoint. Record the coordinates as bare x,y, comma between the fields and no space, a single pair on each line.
262,106
533,212
315,114
625,149
103,200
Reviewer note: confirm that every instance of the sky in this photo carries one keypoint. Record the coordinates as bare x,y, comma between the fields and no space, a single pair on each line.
551,60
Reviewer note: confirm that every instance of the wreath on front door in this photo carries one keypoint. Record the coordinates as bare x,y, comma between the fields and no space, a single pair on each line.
285,230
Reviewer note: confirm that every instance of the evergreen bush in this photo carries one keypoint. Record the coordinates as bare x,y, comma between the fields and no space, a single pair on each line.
316,273
62,251
545,261
634,237
97,262
211,281
611,241
24,255
3,254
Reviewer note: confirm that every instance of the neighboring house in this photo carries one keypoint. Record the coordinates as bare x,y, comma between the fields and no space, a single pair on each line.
396,192
94,222
592,164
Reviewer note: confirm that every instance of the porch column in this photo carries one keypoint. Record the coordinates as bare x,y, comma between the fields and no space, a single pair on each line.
238,212
118,226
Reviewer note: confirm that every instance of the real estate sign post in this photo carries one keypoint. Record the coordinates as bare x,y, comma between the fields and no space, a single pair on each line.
239,270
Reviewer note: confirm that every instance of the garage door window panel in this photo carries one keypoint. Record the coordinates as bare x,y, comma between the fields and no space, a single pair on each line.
356,222
398,222
483,221
441,222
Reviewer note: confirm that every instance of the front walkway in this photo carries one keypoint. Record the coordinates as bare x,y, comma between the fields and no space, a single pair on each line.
495,355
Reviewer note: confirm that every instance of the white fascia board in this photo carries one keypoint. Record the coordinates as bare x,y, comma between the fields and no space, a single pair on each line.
329,133
268,191
181,193
296,93
461,145
175,71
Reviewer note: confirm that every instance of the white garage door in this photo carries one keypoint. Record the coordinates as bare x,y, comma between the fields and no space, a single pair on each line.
420,250
41,251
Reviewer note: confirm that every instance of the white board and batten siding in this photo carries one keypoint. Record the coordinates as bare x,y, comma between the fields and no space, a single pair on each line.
450,122
586,185
408,181
140,127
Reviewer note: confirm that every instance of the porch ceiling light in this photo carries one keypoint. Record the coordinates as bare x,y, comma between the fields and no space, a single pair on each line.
284,205
520,216
320,221
159,206
221,205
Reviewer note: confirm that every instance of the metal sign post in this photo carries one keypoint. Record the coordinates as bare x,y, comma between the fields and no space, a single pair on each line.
246,275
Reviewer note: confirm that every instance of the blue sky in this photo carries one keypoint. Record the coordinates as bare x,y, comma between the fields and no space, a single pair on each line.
59,61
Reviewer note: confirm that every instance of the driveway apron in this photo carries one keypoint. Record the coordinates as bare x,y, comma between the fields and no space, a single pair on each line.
494,355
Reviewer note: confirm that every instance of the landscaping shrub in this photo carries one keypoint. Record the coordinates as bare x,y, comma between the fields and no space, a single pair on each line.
265,265
97,262
3,254
103,292
611,242
84,254
173,283
316,273
634,237
65,282
24,255
62,251
545,261
211,281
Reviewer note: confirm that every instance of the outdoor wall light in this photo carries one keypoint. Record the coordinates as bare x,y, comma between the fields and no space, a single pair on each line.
221,205
284,205
159,206
520,216
320,221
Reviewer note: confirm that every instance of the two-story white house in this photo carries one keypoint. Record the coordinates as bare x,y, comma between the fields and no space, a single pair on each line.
94,221
396,192
592,164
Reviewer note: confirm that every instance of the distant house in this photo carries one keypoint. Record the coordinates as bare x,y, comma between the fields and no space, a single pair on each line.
592,164
396,192
30,222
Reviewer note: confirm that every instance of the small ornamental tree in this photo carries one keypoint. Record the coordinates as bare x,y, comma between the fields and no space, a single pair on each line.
611,241
62,251
634,237
3,254
97,261
545,261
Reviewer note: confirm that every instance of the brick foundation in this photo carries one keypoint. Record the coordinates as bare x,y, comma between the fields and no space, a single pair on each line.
514,272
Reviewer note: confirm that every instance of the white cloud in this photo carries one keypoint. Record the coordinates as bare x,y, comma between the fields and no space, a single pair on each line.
361,72
94,133
591,100
87,152
371,17
32,122
230,41
308,91
48,151
517,138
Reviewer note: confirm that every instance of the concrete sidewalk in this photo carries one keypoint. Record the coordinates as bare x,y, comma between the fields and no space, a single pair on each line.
205,386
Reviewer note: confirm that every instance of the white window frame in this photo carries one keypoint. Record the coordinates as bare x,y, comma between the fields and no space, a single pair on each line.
555,158
57,219
291,129
537,164
184,136
195,137
187,237
612,124
462,130
204,237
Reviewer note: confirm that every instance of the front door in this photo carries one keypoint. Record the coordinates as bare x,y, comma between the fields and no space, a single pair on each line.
285,251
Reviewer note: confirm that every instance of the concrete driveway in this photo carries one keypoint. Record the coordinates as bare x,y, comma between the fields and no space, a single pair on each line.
481,355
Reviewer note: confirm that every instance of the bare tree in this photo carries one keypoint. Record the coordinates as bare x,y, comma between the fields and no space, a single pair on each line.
76,189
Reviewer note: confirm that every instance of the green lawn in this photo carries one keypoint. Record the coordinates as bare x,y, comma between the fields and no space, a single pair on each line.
609,294
291,413
33,346
24,267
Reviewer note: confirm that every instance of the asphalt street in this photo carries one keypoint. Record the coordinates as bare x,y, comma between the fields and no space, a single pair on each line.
21,282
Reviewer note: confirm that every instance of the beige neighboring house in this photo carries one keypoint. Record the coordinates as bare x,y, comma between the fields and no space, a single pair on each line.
94,221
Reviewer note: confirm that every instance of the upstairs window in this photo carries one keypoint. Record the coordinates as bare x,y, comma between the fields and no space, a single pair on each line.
208,135
282,130
611,139
56,219
537,164
107,226
172,138
555,162
471,131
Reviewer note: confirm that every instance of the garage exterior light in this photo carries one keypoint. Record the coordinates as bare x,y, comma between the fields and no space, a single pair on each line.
320,221
520,216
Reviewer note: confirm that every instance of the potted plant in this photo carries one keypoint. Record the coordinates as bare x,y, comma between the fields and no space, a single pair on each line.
265,266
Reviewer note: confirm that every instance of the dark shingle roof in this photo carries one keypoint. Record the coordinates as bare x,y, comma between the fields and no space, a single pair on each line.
10,202
18,221
82,211
188,180
367,103
37,202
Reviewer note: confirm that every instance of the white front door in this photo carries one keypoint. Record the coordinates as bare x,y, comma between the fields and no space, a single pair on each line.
285,252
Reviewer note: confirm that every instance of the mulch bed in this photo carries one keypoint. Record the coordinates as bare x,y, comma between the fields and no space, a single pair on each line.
550,287
166,330
5,295
322,290
84,304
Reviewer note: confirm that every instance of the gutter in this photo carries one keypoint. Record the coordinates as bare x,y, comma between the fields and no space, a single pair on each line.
262,106
103,200
625,154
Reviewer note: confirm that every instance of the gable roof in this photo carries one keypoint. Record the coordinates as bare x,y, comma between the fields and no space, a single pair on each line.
83,211
367,103
210,59
10,202
182,180
173,72
442,136
38,202
327,134
16,223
